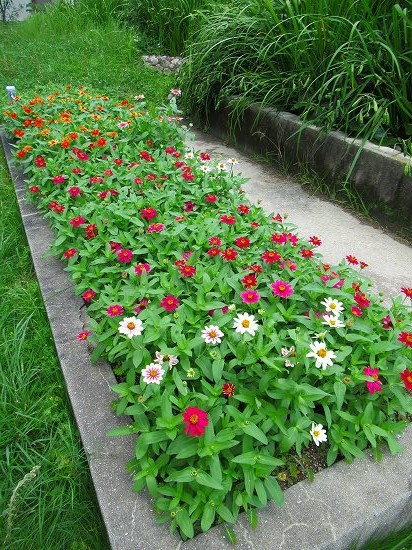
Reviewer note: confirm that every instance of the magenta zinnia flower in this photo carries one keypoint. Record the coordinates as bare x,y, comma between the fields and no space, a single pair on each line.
170,303
250,296
114,310
281,289
376,385
142,268
195,420
125,256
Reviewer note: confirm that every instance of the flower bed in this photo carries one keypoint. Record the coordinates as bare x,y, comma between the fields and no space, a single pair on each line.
233,343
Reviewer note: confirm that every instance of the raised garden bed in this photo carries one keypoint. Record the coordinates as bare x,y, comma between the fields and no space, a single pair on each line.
96,459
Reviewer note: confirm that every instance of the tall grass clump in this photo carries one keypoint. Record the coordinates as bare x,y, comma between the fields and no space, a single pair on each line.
338,65
168,25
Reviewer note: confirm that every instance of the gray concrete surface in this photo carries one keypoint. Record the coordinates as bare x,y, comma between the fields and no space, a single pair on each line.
345,502
378,173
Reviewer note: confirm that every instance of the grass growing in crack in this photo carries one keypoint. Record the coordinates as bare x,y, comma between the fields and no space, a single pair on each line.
46,494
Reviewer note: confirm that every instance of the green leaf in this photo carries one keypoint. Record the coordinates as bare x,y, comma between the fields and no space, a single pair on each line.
208,517
274,491
184,476
123,430
340,390
261,491
253,518
394,446
217,369
246,458
349,447
205,479
225,513
231,535
254,431
185,523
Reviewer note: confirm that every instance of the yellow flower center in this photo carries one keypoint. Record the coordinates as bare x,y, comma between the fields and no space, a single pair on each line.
153,373
332,306
194,419
245,323
322,352
212,333
281,288
131,325
316,433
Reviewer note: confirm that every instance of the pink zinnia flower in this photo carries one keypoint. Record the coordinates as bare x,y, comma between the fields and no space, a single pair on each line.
279,238
376,385
243,209
74,191
211,198
140,268
250,296
115,310
407,292
352,260
187,270
271,256
83,335
281,289
362,300
387,322
115,246
215,241
155,228
242,242
195,420
315,240
170,303
125,256
58,179
306,253
226,218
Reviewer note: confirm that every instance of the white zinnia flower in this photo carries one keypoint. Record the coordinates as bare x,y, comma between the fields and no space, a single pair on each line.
332,305
153,373
245,323
123,124
189,155
171,359
131,326
212,334
221,167
322,355
318,433
205,168
139,97
232,161
332,321
287,351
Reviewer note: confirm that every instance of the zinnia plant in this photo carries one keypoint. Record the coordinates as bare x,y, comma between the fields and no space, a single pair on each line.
233,342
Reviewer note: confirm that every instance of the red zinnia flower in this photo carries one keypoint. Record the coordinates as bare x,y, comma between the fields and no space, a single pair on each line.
406,377
189,206
34,189
187,270
124,255
362,300
91,231
279,238
249,281
277,218
363,265
228,389
40,162
138,181
58,179
114,246
352,260
70,252
101,142
83,335
407,292
306,253
356,311
205,157
74,191
211,198
242,242
271,256
148,213
114,310
140,268
256,268
315,240
243,209
229,254
406,338
215,241
195,420
77,221
292,239
213,252
88,295
170,303
250,296
226,218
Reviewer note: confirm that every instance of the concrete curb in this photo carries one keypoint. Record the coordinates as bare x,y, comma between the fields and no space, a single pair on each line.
343,504
378,173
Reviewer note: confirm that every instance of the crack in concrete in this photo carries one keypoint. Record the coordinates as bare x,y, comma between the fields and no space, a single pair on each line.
292,526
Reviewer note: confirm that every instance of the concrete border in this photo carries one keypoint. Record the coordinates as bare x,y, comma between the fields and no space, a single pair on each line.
378,173
343,504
